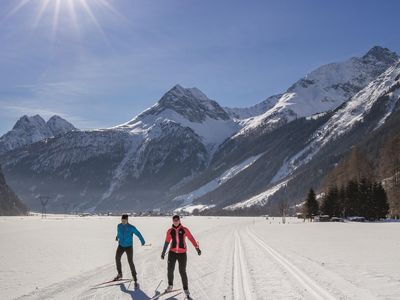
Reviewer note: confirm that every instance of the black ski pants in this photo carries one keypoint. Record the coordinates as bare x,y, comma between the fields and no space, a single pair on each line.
182,260
129,254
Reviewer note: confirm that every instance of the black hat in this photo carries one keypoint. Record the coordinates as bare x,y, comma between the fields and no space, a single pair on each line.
176,217
124,216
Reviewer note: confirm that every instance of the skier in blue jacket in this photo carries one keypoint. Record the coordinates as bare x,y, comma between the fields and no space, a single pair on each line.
125,244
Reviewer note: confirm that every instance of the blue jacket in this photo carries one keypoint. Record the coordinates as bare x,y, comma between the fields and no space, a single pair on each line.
124,235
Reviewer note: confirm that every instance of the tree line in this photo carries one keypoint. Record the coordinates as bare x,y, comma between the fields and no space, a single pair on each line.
363,198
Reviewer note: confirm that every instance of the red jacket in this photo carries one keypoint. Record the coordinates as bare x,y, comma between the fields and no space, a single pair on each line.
176,236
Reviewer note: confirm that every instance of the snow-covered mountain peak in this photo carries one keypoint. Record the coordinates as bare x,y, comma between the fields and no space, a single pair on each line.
197,93
188,107
59,126
25,121
178,92
325,88
191,103
381,54
31,129
384,90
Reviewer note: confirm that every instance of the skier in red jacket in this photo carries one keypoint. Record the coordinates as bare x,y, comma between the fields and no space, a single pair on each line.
177,252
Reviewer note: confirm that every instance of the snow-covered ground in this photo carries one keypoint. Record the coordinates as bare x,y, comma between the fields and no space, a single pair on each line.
243,258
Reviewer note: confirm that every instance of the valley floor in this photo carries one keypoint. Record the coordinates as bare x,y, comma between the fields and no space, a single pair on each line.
243,258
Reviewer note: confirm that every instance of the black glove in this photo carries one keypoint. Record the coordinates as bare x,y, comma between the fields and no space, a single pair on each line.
198,251
162,255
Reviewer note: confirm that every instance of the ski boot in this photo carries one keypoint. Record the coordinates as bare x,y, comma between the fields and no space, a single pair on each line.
169,289
118,277
187,294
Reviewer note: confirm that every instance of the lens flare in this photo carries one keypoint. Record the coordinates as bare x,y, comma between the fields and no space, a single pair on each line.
55,8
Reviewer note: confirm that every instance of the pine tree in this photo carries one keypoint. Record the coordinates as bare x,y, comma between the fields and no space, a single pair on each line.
342,202
365,199
352,203
330,202
381,206
311,207
389,165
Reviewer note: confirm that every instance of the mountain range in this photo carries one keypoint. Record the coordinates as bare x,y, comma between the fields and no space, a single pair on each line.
188,152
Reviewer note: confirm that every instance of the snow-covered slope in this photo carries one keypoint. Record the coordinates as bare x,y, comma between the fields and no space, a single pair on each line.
324,89
183,116
252,111
355,121
188,107
29,130
386,88
187,199
259,199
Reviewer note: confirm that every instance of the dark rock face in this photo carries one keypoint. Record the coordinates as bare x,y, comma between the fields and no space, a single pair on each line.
10,205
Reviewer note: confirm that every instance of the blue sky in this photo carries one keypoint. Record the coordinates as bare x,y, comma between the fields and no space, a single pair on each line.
109,60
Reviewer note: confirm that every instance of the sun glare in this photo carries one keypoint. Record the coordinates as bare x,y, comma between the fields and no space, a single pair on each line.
69,8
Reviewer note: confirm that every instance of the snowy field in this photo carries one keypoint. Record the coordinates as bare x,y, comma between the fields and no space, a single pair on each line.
243,258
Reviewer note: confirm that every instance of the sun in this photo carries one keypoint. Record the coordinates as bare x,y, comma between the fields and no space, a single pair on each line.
70,8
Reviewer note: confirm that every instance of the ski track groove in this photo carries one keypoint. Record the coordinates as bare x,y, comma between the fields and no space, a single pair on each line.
313,288
218,266
241,282
353,291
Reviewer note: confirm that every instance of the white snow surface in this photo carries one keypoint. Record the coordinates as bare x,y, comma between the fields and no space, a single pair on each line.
216,182
242,258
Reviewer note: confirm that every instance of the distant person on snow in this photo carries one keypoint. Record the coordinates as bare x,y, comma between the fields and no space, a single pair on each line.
125,244
177,252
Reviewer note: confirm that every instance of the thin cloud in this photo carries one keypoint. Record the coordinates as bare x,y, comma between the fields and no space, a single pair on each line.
19,110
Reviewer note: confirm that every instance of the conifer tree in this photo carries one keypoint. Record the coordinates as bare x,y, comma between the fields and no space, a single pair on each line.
352,204
330,202
311,207
381,205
